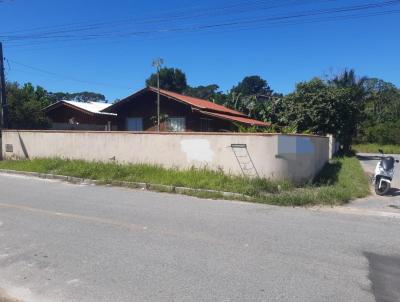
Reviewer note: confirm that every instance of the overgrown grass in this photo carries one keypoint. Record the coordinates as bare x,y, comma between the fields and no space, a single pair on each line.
373,148
339,181
107,172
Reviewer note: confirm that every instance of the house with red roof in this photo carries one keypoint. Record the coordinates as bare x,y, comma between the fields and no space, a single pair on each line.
178,113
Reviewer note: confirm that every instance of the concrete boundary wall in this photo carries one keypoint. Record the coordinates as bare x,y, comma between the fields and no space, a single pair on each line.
275,156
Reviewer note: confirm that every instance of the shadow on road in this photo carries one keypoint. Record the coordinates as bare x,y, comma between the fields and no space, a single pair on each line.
384,273
394,192
368,157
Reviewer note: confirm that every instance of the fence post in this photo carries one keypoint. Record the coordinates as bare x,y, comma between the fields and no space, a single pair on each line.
333,146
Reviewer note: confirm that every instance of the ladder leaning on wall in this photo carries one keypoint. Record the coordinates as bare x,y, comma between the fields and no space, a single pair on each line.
244,160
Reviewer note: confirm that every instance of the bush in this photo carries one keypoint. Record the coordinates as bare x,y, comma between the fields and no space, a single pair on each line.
374,148
381,134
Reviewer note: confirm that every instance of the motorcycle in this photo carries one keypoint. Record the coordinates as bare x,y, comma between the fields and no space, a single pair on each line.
384,172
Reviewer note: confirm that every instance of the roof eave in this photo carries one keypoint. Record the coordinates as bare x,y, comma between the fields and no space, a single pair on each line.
124,101
232,112
251,122
60,103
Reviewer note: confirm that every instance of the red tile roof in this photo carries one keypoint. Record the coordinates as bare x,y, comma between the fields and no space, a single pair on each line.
240,119
199,103
203,106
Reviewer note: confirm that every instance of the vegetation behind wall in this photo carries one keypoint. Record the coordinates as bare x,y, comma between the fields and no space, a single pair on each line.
352,108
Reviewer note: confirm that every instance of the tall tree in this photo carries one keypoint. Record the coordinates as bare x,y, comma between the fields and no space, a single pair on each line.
252,96
172,79
348,79
202,92
322,108
84,96
381,124
382,101
356,93
252,85
25,104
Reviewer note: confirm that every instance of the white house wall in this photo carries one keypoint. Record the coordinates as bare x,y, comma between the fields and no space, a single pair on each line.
294,157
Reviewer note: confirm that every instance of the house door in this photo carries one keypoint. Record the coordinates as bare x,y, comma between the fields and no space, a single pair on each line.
134,124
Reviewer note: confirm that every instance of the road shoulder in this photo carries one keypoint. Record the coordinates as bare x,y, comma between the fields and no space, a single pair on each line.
374,205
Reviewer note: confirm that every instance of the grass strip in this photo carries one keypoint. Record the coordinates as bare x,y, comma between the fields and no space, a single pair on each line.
373,148
340,181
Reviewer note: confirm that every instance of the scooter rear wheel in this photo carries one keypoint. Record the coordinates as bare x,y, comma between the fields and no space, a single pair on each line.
383,190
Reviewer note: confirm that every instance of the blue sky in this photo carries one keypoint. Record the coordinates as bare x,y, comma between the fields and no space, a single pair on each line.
129,34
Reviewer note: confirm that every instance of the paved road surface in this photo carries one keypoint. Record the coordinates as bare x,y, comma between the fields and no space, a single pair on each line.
62,242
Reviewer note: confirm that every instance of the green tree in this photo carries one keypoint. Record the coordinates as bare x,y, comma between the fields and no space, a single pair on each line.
253,85
84,96
348,79
171,79
252,96
381,124
323,108
25,104
382,102
203,92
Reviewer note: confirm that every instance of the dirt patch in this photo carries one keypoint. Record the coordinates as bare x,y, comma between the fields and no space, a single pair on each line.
5,298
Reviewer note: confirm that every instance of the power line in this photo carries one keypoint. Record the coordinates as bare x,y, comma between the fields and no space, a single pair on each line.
302,17
70,34
185,14
324,19
66,77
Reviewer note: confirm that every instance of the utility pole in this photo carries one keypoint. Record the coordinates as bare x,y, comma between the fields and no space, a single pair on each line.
4,115
158,63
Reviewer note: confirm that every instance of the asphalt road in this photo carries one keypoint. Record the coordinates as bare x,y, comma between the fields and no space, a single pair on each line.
62,242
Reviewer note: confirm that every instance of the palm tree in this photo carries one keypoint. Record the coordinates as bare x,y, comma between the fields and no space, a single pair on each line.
357,92
348,79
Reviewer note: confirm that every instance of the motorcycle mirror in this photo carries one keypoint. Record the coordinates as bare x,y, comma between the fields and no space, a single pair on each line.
380,151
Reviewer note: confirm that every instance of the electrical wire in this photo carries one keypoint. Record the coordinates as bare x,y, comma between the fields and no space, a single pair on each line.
66,77
238,16
70,34
179,15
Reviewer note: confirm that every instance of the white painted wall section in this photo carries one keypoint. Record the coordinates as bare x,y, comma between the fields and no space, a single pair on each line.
197,150
294,157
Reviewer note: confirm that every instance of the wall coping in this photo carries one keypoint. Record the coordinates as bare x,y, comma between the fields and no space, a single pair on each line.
168,133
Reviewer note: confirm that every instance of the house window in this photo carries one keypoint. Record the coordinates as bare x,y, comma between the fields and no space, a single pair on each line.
205,125
134,124
177,124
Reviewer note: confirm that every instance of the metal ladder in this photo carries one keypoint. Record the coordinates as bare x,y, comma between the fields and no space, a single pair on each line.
245,162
